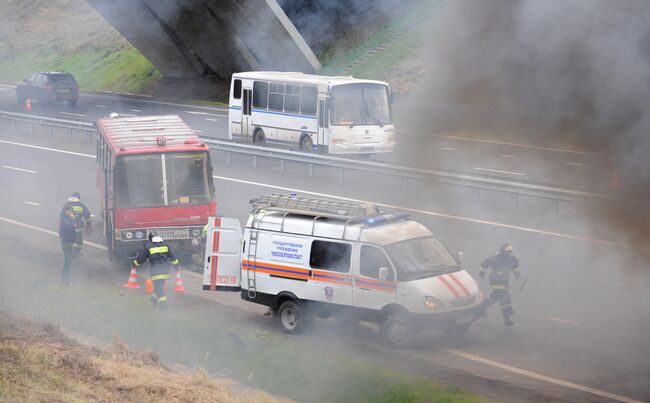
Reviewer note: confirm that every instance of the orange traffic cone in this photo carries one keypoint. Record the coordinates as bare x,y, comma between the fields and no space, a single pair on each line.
179,282
148,286
133,280
28,105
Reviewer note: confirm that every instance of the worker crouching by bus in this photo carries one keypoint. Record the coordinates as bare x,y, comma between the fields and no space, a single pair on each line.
159,255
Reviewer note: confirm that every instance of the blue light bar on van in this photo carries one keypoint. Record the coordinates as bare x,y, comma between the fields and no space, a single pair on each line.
382,219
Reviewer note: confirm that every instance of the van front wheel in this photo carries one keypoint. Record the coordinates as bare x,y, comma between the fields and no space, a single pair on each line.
398,331
292,318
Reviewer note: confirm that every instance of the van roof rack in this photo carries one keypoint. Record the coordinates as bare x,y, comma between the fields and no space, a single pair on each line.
314,207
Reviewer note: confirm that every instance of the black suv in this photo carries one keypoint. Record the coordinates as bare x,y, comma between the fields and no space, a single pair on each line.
48,87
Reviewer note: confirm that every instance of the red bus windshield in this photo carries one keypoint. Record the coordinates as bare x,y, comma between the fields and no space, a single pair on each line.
166,179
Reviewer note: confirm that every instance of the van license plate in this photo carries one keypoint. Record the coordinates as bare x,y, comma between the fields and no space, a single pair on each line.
464,319
371,148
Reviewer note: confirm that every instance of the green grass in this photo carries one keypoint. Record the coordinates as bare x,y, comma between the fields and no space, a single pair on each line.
379,65
196,333
119,70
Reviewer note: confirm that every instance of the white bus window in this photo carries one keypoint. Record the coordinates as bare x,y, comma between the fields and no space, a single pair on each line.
260,94
187,178
308,100
276,97
333,256
236,89
292,98
360,104
139,181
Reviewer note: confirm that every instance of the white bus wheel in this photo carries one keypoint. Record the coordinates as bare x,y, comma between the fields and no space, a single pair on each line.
259,138
398,331
307,145
291,317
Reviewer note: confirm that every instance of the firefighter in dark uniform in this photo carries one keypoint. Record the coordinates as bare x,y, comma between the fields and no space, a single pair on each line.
501,265
68,223
83,216
160,256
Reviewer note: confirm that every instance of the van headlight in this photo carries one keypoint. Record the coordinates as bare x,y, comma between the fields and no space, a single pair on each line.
432,303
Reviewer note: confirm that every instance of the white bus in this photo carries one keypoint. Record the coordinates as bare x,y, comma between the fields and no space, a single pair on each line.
335,115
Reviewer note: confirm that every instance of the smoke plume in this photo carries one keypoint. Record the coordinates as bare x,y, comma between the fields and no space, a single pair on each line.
575,71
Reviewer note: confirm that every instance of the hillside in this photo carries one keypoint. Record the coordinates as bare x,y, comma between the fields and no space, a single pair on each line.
39,363
69,35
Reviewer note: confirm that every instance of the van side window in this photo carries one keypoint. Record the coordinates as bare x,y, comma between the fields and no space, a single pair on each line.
371,259
333,256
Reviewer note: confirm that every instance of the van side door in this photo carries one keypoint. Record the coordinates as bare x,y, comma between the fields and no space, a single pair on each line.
222,262
330,274
370,291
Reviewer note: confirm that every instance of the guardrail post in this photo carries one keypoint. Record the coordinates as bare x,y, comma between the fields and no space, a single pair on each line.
372,179
228,157
69,133
254,161
49,131
556,205
311,169
282,166
13,125
513,200
405,183
476,197
31,128
341,175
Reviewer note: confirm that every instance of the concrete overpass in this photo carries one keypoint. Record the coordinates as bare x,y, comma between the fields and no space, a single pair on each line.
195,38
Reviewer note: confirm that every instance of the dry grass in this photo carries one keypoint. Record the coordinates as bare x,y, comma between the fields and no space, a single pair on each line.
39,363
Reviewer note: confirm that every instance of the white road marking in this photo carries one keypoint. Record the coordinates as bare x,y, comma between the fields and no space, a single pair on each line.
19,169
47,149
509,156
136,110
101,106
505,143
127,115
541,377
205,113
575,164
32,203
430,213
499,171
46,231
197,131
434,214
565,321
634,287
212,120
447,148
73,114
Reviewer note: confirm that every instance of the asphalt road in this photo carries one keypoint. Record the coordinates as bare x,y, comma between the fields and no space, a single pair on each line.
557,166
582,320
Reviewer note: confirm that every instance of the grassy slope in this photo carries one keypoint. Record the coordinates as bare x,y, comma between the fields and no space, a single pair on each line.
39,363
69,35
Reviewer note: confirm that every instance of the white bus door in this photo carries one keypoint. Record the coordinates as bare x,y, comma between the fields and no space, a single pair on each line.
322,137
222,262
246,107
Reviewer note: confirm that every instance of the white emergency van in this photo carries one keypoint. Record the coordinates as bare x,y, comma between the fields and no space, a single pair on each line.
305,257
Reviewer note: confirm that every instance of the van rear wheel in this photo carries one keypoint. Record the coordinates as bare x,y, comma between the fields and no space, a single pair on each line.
292,317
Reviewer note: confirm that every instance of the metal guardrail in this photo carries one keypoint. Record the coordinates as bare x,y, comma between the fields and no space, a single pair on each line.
371,168
32,120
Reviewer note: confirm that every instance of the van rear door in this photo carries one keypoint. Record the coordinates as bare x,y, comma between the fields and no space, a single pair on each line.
222,262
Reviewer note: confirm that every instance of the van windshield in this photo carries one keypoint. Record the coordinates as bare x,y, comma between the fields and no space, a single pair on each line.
170,179
421,257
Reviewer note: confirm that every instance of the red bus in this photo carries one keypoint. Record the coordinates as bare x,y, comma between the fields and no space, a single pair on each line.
153,174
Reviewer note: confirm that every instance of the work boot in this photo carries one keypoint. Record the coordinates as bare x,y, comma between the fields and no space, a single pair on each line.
154,301
508,322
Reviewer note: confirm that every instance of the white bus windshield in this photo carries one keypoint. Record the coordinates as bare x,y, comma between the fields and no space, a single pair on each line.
360,104
421,257
144,181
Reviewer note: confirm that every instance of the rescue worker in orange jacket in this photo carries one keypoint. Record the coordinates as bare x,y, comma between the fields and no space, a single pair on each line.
501,265
159,255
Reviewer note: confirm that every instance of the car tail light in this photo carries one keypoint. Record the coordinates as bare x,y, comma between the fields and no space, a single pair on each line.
49,88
